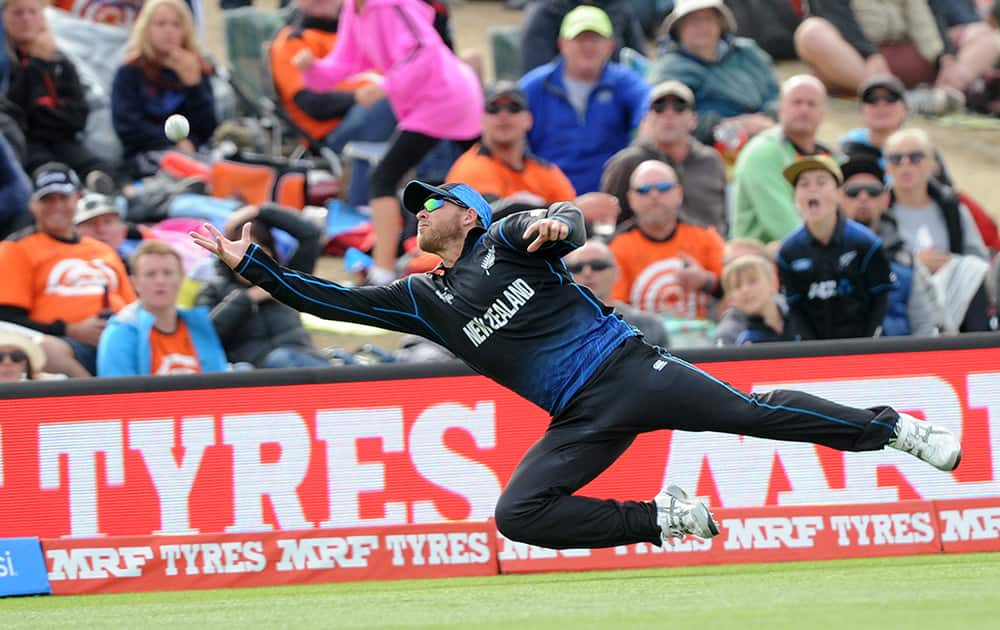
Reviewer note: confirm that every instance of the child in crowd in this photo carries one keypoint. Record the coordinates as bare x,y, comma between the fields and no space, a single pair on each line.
757,313
833,271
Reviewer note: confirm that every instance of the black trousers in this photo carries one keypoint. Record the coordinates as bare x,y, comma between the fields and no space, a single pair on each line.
641,388
406,150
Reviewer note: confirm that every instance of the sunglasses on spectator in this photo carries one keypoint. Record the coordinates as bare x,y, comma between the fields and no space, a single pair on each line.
595,265
660,105
915,157
511,106
645,189
16,356
872,190
872,98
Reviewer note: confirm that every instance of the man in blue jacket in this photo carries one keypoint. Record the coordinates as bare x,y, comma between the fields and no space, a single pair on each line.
152,335
503,301
585,107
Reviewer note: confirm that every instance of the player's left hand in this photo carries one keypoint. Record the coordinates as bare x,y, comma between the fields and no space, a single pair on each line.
545,230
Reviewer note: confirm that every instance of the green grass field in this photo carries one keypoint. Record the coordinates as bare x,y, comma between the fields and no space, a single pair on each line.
953,591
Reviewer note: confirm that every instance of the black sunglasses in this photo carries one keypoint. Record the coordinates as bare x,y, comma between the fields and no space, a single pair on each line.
595,265
871,98
512,106
872,190
915,157
660,105
17,356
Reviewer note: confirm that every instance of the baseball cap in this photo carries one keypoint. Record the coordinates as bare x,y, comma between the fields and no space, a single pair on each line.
884,81
417,192
585,18
93,205
672,88
54,177
813,163
862,164
683,8
505,89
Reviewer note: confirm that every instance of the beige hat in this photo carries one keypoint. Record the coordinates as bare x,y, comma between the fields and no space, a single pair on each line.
93,205
685,7
671,88
813,163
23,339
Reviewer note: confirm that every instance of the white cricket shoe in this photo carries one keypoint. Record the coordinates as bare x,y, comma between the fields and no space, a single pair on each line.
677,515
934,444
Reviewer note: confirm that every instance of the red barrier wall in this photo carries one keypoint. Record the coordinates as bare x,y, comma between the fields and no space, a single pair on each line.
427,450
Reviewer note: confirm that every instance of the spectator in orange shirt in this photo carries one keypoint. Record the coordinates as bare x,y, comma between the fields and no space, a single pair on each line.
500,166
58,282
667,265
153,336
313,27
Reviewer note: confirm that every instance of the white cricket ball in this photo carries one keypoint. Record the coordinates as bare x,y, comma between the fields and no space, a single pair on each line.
176,128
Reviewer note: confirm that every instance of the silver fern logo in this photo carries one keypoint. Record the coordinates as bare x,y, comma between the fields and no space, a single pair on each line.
489,259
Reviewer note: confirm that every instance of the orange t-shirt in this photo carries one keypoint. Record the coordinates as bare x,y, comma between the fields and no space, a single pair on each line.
490,176
288,80
54,279
173,353
647,269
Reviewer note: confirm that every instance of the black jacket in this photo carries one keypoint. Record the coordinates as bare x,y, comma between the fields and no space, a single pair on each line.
50,98
250,331
837,290
515,317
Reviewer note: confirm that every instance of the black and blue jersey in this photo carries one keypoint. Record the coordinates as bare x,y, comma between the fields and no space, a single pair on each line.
515,317
838,289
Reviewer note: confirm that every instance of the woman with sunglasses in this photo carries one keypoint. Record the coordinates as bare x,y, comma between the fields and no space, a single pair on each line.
434,94
21,358
935,224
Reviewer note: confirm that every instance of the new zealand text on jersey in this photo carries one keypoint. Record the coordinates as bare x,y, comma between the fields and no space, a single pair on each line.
503,309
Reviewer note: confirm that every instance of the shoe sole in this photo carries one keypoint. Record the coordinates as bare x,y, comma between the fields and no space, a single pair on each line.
958,460
707,521
704,517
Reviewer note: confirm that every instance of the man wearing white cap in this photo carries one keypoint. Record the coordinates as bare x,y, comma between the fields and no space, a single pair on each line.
585,107
98,217
665,135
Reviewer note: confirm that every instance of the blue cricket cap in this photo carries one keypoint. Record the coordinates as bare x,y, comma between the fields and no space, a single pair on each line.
417,192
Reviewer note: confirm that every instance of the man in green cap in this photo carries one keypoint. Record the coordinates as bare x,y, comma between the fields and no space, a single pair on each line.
585,106
834,274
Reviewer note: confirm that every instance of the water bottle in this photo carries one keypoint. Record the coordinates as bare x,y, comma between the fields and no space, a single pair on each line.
729,139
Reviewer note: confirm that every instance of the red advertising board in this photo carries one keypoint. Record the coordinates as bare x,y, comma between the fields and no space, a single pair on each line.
969,525
168,563
768,534
427,450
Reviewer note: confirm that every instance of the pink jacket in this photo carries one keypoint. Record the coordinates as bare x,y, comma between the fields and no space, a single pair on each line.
431,91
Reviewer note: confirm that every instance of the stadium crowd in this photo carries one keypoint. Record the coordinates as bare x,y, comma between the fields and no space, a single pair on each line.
716,214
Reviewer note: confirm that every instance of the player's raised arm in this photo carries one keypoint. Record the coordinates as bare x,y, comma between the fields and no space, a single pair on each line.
388,307
555,231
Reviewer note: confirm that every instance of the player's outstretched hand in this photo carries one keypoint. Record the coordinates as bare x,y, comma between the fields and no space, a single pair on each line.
231,252
545,230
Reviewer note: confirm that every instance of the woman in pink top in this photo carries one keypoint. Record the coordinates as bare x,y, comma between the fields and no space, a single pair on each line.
434,95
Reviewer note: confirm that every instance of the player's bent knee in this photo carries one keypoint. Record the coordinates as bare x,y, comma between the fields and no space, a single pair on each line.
516,519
